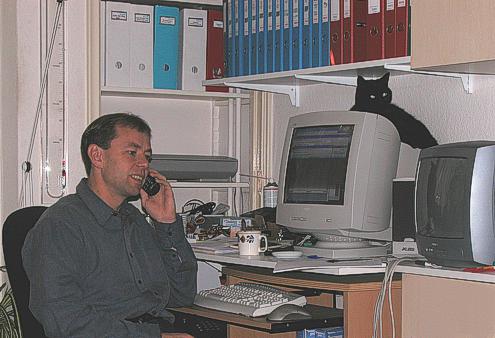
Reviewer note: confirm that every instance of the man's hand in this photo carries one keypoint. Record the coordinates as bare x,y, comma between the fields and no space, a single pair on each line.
161,207
176,335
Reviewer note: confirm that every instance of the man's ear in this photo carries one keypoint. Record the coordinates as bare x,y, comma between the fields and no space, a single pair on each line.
95,154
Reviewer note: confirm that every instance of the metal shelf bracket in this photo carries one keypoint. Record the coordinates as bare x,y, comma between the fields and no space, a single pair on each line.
291,90
467,79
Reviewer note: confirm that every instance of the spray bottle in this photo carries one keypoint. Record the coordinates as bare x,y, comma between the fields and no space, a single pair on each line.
270,194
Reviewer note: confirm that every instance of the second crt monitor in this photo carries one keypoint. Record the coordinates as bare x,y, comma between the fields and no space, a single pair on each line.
336,181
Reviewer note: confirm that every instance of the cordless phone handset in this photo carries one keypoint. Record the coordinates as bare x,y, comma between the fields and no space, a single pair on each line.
150,186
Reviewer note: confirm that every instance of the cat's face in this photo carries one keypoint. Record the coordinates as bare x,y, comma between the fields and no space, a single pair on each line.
370,92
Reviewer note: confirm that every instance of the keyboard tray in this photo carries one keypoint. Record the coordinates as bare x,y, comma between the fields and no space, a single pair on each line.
321,317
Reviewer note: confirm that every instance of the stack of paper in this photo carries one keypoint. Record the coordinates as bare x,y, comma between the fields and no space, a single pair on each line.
218,245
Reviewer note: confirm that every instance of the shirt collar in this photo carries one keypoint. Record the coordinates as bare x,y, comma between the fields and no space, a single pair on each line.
100,210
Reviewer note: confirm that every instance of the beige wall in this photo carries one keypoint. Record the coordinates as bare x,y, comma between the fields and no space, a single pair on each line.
8,110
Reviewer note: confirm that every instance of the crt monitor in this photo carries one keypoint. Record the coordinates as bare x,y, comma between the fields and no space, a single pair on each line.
336,178
455,204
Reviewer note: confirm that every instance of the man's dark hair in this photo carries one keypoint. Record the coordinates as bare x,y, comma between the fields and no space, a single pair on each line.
104,129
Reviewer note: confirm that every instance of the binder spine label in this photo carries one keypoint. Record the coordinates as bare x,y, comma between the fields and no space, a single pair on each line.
253,17
324,12
347,9
295,13
246,18
142,18
236,21
277,14
315,11
401,3
167,20
270,15
390,5
286,14
334,10
229,20
217,24
306,12
119,15
195,22
373,6
261,18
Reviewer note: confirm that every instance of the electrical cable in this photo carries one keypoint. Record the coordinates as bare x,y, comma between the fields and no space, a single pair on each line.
192,203
254,176
235,205
386,283
44,80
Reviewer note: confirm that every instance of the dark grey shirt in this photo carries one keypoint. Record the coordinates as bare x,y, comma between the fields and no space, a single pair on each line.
91,267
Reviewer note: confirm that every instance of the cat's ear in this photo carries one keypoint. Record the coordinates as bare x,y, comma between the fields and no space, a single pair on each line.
360,80
385,77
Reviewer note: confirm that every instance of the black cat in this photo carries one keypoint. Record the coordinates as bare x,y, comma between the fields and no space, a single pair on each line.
375,96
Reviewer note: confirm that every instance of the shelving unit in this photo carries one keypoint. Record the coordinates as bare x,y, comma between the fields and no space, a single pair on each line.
196,111
171,94
231,103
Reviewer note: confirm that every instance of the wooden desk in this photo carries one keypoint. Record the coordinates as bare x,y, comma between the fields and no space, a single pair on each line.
359,296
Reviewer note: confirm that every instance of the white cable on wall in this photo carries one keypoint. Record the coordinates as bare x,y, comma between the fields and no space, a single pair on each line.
27,167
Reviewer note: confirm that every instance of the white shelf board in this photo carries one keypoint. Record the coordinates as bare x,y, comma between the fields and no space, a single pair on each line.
170,94
289,82
191,3
176,184
194,2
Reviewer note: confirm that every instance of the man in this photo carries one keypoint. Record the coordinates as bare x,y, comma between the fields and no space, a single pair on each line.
97,268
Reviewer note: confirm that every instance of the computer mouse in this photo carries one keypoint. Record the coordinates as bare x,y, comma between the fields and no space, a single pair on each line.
288,312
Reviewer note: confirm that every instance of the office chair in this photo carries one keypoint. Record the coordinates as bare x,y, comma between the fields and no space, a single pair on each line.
15,229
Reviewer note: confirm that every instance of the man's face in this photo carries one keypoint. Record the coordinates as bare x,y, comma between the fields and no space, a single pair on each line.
126,163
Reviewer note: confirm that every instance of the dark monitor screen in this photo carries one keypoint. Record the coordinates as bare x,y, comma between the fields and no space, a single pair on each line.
443,190
317,165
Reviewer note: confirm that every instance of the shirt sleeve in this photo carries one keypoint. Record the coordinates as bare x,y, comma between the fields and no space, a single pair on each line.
50,255
179,261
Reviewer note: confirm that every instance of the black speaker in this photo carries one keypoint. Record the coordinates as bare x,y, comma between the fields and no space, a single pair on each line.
403,209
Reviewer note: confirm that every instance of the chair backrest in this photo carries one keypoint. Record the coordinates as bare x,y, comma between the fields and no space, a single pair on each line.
14,232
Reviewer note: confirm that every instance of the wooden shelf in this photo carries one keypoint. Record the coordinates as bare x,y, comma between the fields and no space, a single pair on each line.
170,94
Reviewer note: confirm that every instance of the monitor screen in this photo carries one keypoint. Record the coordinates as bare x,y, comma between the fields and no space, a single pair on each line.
439,180
455,208
336,174
314,152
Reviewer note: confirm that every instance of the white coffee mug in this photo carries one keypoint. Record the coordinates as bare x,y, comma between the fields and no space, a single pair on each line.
250,242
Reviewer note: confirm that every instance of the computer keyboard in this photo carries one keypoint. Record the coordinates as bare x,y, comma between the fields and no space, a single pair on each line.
249,299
